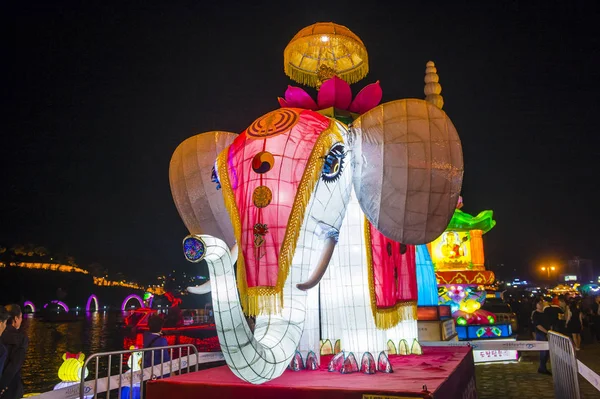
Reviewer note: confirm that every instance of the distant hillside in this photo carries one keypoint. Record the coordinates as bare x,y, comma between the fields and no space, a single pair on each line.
34,254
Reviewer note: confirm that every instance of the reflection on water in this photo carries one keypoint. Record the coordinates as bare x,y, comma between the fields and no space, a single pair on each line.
49,340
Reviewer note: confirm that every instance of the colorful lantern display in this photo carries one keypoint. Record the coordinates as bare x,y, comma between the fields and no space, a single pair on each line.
335,192
458,260
148,299
93,299
428,293
28,306
135,360
70,371
134,363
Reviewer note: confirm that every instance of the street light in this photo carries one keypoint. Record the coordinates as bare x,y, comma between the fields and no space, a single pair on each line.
548,270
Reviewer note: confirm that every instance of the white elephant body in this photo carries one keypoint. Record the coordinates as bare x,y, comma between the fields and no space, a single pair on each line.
346,310
404,163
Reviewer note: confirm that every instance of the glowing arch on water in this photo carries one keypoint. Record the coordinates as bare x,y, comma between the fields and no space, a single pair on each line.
132,296
93,298
59,303
30,305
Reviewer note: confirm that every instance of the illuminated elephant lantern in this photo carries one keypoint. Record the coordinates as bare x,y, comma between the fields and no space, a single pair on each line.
70,371
331,194
285,185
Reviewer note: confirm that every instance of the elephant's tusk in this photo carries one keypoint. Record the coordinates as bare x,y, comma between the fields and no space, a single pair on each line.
317,275
234,251
200,289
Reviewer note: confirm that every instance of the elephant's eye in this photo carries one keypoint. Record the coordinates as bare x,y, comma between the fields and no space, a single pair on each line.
334,163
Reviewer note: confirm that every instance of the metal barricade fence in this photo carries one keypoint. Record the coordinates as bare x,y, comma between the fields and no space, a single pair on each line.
564,366
134,380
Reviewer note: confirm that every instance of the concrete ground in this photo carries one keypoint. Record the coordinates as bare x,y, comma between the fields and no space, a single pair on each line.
521,380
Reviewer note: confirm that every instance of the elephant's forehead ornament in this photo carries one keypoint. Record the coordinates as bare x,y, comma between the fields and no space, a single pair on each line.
273,124
351,181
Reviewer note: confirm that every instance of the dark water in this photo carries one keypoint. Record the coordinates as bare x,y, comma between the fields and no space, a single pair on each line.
49,340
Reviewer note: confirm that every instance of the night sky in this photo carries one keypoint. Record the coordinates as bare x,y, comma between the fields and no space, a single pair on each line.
97,97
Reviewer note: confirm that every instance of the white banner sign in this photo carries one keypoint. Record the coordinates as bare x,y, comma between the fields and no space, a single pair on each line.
128,378
589,375
489,345
494,356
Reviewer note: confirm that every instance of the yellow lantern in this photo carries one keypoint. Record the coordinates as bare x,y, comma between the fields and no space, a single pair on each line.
322,50
70,370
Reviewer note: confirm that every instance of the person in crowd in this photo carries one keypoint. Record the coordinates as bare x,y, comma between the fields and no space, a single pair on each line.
575,323
153,339
540,327
11,384
596,318
3,351
524,314
562,302
555,316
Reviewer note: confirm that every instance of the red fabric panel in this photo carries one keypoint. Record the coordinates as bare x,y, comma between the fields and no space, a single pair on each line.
290,148
394,274
446,371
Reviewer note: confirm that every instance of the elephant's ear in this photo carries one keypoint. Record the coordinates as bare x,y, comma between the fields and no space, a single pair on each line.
197,196
408,169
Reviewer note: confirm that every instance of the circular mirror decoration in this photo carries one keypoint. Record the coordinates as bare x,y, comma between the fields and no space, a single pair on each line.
194,249
262,196
263,162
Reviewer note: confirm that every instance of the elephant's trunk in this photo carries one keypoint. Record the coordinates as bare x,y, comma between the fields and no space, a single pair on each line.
264,355
205,288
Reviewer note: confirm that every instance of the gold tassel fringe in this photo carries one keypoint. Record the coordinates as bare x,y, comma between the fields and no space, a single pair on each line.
263,300
311,79
234,215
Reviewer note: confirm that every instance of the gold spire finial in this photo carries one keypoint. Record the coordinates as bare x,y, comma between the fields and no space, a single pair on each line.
432,86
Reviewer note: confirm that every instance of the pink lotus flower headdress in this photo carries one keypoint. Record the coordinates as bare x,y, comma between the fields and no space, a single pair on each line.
334,92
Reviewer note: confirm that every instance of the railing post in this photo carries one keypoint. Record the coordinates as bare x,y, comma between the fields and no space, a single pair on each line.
106,384
564,366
